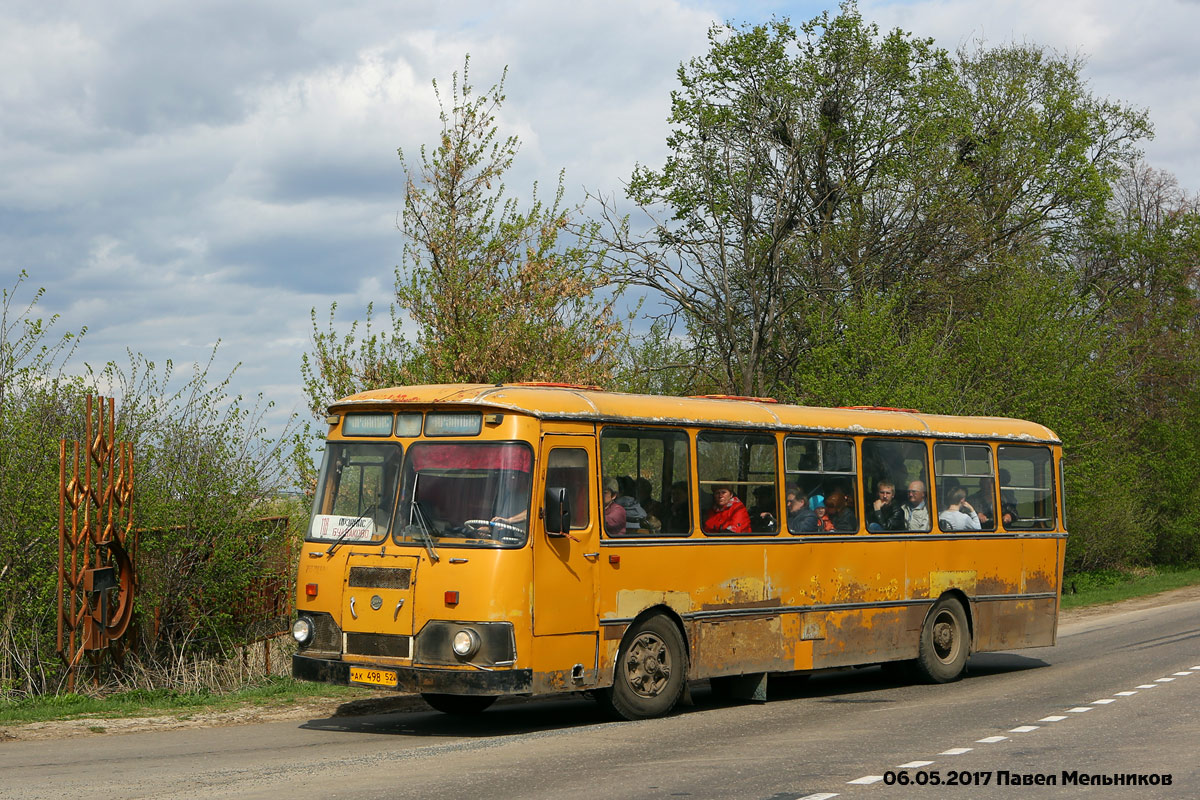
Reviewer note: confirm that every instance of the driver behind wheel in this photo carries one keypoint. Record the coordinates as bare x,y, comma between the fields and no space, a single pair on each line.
512,502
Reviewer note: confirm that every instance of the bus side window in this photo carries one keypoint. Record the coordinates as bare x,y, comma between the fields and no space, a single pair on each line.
1026,487
964,473
567,468
742,466
650,468
816,470
896,486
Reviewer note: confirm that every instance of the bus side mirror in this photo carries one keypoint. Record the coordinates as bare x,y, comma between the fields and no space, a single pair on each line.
558,511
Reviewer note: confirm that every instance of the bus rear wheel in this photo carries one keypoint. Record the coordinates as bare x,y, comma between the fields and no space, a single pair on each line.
945,643
650,672
461,704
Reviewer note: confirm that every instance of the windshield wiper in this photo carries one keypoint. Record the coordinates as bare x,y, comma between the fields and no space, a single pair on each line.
415,512
369,509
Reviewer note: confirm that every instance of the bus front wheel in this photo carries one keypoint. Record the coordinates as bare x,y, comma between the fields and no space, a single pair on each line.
650,672
462,704
945,643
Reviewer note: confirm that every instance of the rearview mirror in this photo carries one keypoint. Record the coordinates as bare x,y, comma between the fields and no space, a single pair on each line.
558,511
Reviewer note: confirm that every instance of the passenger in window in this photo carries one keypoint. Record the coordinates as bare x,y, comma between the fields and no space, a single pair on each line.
635,515
678,518
838,512
959,515
762,516
614,512
916,512
885,512
653,508
800,518
984,502
728,514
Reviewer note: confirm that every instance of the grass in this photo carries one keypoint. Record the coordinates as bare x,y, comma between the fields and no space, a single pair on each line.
1112,585
273,691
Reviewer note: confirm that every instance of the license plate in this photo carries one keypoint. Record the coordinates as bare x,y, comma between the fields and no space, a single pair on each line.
375,677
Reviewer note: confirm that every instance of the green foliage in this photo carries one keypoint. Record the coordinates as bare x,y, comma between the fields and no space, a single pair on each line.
855,217
497,292
205,470
1113,585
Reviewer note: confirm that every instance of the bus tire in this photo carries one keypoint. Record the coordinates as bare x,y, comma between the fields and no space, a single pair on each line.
459,704
945,643
650,672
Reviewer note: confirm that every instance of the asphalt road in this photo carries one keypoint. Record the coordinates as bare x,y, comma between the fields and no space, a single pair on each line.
853,734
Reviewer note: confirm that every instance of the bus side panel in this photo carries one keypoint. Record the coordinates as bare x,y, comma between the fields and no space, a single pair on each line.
743,646
566,663
868,635
1014,624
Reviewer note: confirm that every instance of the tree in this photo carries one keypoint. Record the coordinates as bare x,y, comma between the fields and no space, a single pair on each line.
821,170
497,292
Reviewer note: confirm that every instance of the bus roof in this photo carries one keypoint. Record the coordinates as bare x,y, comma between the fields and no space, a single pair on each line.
550,402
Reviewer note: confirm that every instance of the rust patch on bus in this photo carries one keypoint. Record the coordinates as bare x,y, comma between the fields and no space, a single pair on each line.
741,646
1040,582
863,636
614,632
1013,624
994,585
773,602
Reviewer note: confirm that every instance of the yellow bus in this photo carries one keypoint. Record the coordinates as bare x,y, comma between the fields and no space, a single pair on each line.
474,541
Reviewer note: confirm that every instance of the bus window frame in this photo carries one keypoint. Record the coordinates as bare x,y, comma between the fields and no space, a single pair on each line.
689,452
854,476
929,480
735,482
1053,489
937,476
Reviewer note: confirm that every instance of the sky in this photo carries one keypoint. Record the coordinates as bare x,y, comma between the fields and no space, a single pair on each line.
181,173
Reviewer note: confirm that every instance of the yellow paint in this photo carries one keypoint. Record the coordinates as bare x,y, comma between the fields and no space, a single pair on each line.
964,580
631,602
710,574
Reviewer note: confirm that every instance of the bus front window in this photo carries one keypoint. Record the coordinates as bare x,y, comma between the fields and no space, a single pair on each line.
356,492
475,494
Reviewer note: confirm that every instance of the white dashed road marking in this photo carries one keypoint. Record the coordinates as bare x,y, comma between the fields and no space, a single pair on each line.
867,779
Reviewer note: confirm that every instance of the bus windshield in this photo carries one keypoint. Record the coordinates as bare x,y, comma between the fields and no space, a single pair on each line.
475,494
356,492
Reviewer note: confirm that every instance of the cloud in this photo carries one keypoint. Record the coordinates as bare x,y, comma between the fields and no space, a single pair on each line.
182,173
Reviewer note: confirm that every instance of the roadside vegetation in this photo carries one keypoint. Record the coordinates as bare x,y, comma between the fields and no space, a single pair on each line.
1103,587
264,692
844,216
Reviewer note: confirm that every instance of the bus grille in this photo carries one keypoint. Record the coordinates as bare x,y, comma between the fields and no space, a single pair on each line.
327,636
379,644
379,578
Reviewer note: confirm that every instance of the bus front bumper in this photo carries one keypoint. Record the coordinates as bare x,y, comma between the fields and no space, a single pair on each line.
419,679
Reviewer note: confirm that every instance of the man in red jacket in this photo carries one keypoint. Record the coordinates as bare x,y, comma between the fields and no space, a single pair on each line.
728,514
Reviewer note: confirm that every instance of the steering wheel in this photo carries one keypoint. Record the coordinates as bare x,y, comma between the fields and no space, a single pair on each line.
487,523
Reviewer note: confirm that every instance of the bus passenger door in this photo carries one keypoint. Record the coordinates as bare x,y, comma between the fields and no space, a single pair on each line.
564,567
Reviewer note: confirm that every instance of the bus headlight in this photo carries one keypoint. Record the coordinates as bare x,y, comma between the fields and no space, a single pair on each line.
465,643
302,630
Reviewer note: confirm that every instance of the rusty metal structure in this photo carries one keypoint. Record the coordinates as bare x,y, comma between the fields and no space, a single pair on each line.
97,547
